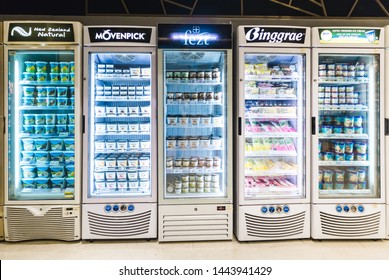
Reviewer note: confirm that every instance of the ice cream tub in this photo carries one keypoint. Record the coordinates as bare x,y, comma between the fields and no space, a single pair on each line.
29,171
339,186
56,157
349,147
71,129
112,128
57,171
121,175
144,184
110,145
41,91
28,183
29,77
71,77
143,174
56,144
348,121
145,144
50,129
349,130
69,157
62,91
349,157
51,101
30,66
327,176
64,67
69,144
361,147
42,183
43,171
41,77
99,176
51,91
327,186
54,67
28,119
98,185
57,183
337,129
339,175
121,161
361,157
61,128
352,186
70,171
69,183
132,175
358,130
326,129
62,101
134,144
54,77
64,77
361,175
110,175
40,129
40,119
71,118
133,127
62,118
28,144
339,156
41,101
28,91
42,144
144,161
28,157
28,101
29,129
122,128
41,66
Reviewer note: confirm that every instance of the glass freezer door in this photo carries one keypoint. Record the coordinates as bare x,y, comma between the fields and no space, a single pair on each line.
274,126
349,125
195,94
41,125
119,158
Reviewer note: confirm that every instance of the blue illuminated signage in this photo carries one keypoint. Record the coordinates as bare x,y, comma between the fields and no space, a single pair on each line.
213,36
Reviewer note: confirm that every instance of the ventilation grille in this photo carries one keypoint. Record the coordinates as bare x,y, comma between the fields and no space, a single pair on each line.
275,226
195,227
23,225
341,226
119,226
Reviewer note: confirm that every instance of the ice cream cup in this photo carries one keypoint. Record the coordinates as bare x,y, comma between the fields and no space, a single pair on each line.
56,144
41,101
56,156
41,91
62,128
29,77
69,157
57,183
42,144
51,91
41,67
54,67
29,119
28,101
71,118
54,77
64,77
28,91
62,101
69,144
29,171
64,67
71,66
43,171
50,129
40,119
28,183
62,91
62,118
29,129
40,129
71,91
71,78
57,171
42,183
50,118
41,77
28,157
69,183
30,66
70,171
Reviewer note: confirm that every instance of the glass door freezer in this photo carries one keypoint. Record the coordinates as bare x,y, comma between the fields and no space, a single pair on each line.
195,110
348,185
120,157
272,122
42,132
1,129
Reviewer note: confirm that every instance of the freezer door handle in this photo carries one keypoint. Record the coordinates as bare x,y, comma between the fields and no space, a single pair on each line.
386,127
83,124
313,125
239,126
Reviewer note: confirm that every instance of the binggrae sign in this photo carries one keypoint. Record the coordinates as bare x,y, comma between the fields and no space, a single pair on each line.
209,36
119,34
41,32
274,35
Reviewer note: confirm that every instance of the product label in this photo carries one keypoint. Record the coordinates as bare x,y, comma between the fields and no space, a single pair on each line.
274,35
349,36
120,34
196,36
44,32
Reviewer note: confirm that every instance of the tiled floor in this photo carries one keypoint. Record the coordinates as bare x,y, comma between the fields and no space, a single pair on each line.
215,250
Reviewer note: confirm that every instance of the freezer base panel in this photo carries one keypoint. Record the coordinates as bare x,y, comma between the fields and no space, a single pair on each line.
348,221
387,221
1,222
272,222
59,222
119,221
195,222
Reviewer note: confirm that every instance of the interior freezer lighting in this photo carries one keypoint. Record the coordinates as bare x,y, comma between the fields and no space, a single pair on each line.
17,143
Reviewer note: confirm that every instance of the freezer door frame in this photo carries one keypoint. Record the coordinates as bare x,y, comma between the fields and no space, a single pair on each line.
240,116
77,123
161,121
154,150
2,124
315,115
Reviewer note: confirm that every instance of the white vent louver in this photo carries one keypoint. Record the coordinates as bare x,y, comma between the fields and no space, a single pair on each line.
358,226
23,224
119,226
275,226
195,227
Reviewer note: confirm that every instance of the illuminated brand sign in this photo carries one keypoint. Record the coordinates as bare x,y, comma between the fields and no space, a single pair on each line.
195,36
274,35
120,34
44,32
349,36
